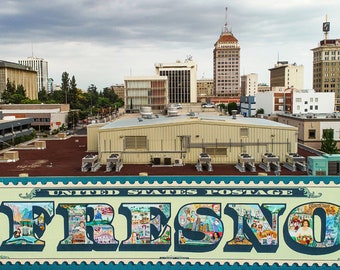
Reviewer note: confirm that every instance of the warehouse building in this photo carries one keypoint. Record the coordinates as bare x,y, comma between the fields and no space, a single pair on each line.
183,138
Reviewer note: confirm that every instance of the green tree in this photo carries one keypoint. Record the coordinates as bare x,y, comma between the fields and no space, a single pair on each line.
328,144
260,111
110,94
65,87
73,94
231,106
42,95
8,92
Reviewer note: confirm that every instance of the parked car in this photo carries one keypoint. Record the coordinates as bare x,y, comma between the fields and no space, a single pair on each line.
208,105
178,106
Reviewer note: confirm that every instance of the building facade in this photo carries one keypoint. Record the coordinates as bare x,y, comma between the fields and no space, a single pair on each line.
185,138
205,89
227,65
19,75
311,127
284,75
295,102
248,106
326,68
119,90
41,67
182,80
249,84
46,117
145,91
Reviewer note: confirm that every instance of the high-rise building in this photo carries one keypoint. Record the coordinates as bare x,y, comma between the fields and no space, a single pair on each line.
326,66
182,80
41,67
284,75
249,84
227,65
18,75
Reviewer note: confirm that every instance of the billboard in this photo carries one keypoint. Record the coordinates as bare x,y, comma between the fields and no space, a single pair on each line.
245,220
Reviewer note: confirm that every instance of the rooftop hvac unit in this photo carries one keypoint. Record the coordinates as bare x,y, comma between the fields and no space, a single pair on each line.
157,161
167,160
178,162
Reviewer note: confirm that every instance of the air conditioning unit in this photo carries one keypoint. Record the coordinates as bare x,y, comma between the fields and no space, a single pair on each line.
178,162
156,161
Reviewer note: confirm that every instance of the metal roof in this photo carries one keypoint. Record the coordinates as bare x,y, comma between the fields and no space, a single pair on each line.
137,121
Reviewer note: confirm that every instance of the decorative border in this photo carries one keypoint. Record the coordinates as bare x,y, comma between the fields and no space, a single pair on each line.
170,220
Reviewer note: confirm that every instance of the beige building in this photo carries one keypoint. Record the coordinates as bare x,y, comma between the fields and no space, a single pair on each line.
311,127
249,84
284,75
262,87
227,65
185,138
142,91
326,68
19,75
119,90
205,89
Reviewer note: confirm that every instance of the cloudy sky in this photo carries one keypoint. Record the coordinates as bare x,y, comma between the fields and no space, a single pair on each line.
101,41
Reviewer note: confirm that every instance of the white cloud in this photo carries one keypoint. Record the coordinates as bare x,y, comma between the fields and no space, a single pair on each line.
102,41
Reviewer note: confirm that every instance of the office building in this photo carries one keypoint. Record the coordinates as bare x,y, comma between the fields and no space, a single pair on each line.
293,101
326,66
284,75
145,91
41,67
249,84
18,75
205,89
227,65
182,80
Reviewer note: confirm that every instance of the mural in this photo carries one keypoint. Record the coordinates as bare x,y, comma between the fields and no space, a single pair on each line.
170,222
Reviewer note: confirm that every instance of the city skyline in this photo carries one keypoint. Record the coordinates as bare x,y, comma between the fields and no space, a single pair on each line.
101,42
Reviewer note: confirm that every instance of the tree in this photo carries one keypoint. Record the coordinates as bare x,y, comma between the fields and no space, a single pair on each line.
72,95
260,111
8,92
231,106
65,87
12,94
42,95
328,144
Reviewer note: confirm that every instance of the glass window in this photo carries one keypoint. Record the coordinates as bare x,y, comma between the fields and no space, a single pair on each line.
244,132
135,142
311,134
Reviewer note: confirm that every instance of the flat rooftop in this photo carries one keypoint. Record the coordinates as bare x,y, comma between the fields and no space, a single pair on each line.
136,120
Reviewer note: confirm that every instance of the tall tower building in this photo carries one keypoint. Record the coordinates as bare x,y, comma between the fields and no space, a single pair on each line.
182,80
326,65
41,67
227,64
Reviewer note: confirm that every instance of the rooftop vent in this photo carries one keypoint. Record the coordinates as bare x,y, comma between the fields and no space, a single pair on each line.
233,114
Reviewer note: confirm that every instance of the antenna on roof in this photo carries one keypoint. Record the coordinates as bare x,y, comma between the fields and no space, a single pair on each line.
225,28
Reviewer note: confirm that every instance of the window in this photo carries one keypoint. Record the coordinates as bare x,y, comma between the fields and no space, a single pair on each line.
311,134
311,107
216,151
298,99
135,142
244,132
